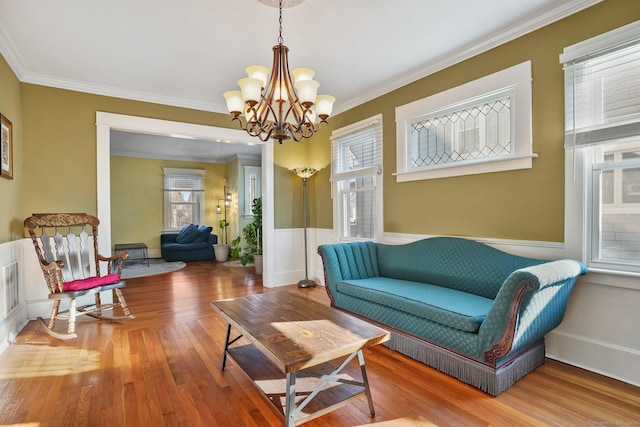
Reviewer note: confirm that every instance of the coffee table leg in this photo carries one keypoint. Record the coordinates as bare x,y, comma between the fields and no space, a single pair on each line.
289,403
226,346
365,380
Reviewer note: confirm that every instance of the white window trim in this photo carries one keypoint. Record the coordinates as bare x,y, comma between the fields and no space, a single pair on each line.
375,170
516,79
578,194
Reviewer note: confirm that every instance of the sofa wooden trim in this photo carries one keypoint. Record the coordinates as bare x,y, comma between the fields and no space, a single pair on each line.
503,346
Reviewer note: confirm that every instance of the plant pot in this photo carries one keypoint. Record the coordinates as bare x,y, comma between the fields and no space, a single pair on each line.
221,252
257,262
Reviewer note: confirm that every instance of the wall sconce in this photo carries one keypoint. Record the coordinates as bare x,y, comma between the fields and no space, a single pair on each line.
219,207
227,196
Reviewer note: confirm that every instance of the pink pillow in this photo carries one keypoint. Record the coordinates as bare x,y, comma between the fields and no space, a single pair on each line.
91,282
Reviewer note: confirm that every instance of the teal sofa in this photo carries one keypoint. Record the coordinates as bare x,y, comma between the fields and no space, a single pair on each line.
460,306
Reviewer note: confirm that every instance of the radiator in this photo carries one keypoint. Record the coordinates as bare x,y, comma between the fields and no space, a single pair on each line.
10,289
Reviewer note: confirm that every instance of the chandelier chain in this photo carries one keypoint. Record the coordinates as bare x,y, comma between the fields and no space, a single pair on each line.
280,39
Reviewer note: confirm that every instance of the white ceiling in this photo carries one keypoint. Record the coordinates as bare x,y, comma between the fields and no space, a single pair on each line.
188,53
178,148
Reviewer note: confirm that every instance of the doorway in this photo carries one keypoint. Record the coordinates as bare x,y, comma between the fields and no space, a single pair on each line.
105,122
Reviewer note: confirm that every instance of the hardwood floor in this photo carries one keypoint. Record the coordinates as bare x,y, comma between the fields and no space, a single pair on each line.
163,368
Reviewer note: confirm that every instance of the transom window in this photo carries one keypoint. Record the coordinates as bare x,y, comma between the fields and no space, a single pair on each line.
479,131
479,127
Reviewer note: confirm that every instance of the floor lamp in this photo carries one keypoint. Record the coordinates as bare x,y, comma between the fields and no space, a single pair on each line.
305,174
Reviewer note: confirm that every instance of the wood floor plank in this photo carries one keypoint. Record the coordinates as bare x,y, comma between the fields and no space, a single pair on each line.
163,369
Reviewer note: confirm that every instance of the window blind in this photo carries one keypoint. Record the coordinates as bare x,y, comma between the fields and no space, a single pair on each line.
602,88
356,165
357,150
183,180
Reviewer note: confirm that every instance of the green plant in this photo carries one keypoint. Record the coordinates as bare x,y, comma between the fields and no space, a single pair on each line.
236,249
223,224
252,233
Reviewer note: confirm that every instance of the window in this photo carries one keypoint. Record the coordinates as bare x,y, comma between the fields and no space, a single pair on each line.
602,92
615,223
252,187
482,126
183,197
357,180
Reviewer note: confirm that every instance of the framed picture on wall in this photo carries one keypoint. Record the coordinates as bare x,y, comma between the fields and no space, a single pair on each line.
6,148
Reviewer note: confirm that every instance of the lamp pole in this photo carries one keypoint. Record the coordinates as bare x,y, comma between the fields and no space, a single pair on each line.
305,174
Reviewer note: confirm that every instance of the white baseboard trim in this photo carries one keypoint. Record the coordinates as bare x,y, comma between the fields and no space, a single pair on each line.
154,253
618,362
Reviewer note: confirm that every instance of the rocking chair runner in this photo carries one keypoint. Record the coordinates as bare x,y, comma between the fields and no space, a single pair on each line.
66,245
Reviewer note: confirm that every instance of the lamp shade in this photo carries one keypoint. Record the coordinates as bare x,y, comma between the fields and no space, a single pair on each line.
302,74
235,103
258,72
251,89
307,90
324,105
304,172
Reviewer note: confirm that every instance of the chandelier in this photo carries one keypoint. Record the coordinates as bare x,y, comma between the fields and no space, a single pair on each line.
279,108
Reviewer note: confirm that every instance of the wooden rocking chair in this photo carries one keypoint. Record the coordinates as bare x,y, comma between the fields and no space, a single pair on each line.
66,246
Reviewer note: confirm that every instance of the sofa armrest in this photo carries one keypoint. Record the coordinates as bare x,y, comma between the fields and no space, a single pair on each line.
212,239
531,302
345,261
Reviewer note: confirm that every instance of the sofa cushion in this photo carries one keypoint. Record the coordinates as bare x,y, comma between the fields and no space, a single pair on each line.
188,234
91,282
203,233
456,309
185,247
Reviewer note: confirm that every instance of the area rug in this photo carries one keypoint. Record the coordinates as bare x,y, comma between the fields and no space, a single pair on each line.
156,266
236,263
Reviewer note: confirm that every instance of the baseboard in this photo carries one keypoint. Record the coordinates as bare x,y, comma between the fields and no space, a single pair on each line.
618,362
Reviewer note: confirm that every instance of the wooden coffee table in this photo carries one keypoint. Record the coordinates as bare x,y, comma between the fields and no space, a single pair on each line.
295,336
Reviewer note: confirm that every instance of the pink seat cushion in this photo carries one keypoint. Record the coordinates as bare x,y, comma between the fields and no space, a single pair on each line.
91,282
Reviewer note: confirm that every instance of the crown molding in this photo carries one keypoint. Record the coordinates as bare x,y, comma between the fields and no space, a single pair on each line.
114,92
544,18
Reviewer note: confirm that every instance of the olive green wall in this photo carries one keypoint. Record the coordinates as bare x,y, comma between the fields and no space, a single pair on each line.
60,145
523,204
60,142
287,156
11,214
137,197
57,139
